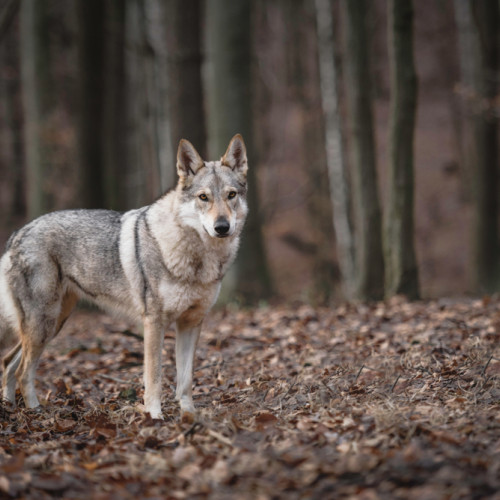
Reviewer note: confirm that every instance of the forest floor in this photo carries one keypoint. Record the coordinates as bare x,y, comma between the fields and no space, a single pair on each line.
389,400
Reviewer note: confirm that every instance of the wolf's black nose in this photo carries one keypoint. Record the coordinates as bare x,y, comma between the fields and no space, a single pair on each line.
221,226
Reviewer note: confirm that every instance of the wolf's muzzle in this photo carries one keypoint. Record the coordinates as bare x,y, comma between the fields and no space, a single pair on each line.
221,227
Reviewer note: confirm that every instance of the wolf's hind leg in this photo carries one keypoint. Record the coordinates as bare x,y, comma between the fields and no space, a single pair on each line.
10,365
34,337
26,355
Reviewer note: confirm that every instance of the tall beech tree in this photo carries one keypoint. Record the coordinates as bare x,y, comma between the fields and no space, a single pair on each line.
38,103
367,214
335,157
229,29
401,272
485,197
185,90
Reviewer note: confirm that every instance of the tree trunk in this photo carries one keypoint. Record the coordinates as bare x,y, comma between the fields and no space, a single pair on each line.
12,197
151,156
91,102
230,112
485,197
339,187
114,111
37,102
303,80
401,274
183,29
368,220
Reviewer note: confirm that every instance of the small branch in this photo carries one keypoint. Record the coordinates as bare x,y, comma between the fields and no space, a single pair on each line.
486,366
193,429
220,437
291,386
332,394
395,382
210,365
359,373
128,333
115,379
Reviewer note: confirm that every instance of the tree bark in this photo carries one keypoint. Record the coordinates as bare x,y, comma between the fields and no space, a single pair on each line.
151,156
186,106
485,197
91,102
367,214
115,106
401,273
339,187
230,112
37,102
12,197
303,78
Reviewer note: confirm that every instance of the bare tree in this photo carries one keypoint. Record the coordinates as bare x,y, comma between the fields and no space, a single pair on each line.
230,111
12,196
339,187
485,174
149,147
301,77
115,106
401,273
186,107
37,102
91,102
367,214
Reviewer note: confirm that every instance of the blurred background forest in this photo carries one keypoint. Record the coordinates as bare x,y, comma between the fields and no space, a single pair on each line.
371,127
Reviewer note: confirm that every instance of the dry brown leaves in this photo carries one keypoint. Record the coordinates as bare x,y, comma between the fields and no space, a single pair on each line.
390,400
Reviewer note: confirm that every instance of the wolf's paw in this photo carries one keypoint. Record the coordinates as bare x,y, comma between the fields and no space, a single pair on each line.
188,416
154,413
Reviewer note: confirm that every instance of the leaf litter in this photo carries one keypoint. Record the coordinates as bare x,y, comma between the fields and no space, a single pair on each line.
386,400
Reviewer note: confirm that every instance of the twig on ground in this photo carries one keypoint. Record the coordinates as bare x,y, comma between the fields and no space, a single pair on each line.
291,386
128,333
359,373
395,382
220,437
486,366
193,429
116,379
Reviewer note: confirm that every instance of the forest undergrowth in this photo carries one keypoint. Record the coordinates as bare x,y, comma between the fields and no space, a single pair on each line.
388,400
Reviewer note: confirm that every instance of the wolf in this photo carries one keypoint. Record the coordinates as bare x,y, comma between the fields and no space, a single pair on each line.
162,264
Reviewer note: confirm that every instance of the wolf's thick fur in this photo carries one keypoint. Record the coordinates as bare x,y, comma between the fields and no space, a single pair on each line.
162,263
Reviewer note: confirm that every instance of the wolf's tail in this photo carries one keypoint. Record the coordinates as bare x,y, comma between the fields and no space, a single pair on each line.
7,331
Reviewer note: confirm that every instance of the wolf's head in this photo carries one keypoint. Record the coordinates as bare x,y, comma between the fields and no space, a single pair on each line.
213,193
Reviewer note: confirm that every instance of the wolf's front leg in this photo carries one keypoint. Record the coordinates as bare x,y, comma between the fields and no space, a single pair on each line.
153,345
185,345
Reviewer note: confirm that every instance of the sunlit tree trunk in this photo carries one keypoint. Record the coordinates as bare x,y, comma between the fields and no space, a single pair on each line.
229,82
335,158
401,273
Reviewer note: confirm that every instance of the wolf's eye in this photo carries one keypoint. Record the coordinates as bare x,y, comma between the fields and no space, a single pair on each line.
231,195
203,197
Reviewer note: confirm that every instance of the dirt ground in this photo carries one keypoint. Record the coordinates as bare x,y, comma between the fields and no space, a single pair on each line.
388,400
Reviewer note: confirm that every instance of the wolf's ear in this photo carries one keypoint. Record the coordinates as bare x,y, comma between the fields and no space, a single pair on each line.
188,159
236,155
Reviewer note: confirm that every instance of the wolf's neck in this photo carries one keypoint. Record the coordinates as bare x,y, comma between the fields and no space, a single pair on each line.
189,256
